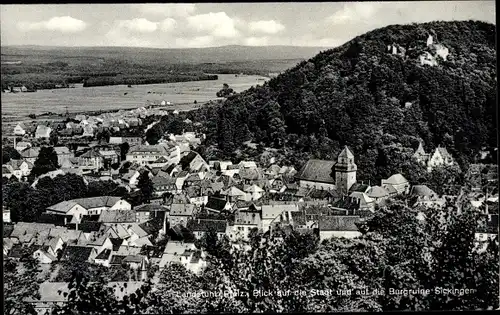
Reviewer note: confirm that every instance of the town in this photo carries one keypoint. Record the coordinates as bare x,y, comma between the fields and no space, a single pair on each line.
190,197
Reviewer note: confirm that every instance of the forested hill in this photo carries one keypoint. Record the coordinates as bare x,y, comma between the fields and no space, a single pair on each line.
374,95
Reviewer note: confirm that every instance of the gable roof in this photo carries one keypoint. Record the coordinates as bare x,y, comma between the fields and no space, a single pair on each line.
233,192
317,171
273,211
150,207
7,230
77,253
216,203
117,216
87,203
423,191
104,255
30,152
247,218
396,179
117,242
204,225
181,209
338,223
377,192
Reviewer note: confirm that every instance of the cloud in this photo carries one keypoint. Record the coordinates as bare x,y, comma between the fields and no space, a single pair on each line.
168,25
216,24
267,27
64,24
140,25
169,10
354,12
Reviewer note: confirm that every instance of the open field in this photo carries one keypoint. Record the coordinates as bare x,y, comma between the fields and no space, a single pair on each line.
119,96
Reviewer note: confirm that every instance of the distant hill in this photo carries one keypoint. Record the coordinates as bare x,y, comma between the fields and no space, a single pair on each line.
221,54
381,94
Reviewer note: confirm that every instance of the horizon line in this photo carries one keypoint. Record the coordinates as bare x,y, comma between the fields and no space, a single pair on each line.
144,47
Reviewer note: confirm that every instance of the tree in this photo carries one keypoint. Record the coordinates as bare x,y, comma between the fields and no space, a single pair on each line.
45,162
124,147
86,297
154,134
9,153
105,188
209,242
21,284
442,177
145,184
53,138
176,292
16,197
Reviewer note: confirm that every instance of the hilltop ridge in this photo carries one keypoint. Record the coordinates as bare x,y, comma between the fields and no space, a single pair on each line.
381,94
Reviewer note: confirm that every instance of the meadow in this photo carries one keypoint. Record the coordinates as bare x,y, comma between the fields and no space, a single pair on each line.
80,99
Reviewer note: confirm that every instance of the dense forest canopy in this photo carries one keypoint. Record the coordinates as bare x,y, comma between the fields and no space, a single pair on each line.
374,95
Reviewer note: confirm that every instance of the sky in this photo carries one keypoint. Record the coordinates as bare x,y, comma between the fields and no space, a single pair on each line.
185,25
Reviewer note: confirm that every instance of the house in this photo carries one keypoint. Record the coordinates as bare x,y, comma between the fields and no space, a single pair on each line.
7,172
486,230
231,170
43,256
329,175
30,154
271,212
88,206
180,213
88,131
91,160
24,232
194,162
426,196
197,195
146,212
439,157
132,141
81,117
117,216
338,226
6,215
364,201
42,132
399,183
146,154
164,184
109,156
20,129
22,145
63,153
173,252
217,205
200,227
48,252
180,178
19,168
79,254
321,194
247,164
244,222
104,258
378,194
131,178
233,194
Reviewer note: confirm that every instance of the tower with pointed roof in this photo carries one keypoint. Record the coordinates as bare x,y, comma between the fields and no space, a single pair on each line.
345,171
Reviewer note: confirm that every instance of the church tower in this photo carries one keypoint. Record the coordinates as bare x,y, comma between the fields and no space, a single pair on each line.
345,171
